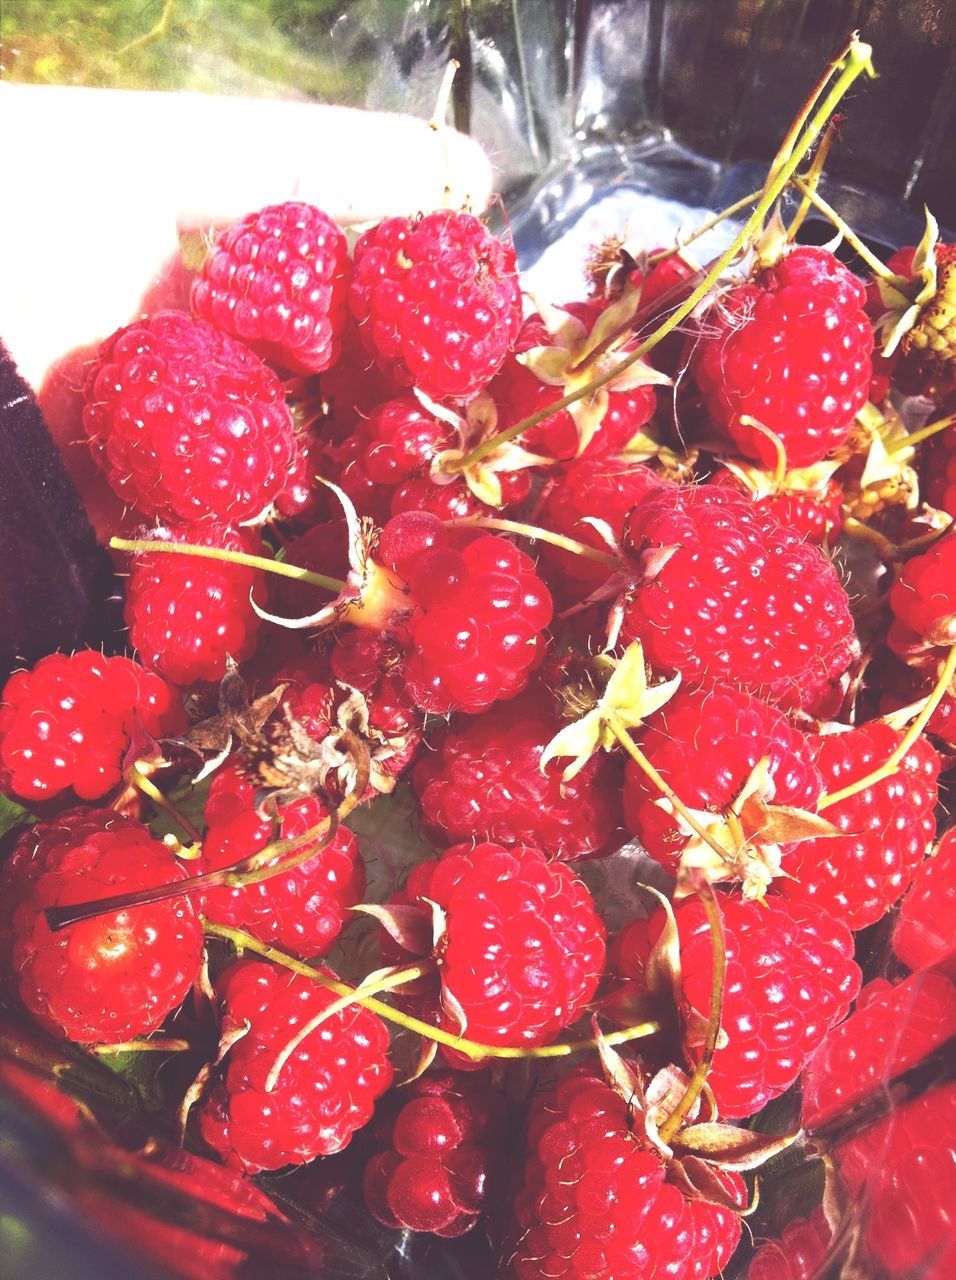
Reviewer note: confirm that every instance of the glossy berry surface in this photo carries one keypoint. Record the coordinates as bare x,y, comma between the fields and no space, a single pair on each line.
790,349
188,424
278,281
722,591
66,724
799,1252
923,597
816,515
925,930
436,299
114,977
325,1090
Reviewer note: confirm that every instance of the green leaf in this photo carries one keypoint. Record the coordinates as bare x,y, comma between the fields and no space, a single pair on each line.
13,815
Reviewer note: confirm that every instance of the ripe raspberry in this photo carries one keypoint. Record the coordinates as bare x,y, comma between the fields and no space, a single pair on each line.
925,932
605,489
595,1200
475,632
726,593
482,781
303,910
437,300
923,597
816,515
441,1139
67,723
187,615
939,471
188,424
791,349
324,1092
522,947
891,1030
791,976
705,743
278,281
799,1253
887,827
113,977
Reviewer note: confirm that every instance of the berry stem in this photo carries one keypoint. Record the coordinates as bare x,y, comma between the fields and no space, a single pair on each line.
846,231
789,144
139,778
779,449
640,759
146,546
537,535
470,1048
674,1121
917,437
161,1044
663,254
854,61
812,178
891,765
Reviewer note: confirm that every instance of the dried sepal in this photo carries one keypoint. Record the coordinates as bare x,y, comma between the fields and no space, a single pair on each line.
905,296
737,1150
408,924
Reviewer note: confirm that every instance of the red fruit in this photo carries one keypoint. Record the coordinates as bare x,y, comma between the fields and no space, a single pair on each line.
939,471
706,743
799,1253
67,723
483,781
278,281
790,977
113,977
891,1030
186,614
923,597
722,591
521,948
437,300
790,349
188,424
595,1201
925,932
441,1138
303,910
887,827
324,1092
816,514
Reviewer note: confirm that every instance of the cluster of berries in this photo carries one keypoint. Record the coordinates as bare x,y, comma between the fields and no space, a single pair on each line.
657,646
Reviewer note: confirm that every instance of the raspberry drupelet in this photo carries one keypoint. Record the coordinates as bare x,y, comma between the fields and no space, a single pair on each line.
923,597
925,931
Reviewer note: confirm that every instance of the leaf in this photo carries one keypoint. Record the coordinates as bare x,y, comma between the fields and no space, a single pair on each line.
734,1149
237,720
13,815
664,974
786,825
409,925
620,1074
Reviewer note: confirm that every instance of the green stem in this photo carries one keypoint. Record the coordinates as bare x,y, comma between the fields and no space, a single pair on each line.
538,535
917,437
663,254
846,231
146,546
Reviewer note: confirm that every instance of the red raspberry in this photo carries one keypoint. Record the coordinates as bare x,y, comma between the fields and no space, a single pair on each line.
441,1136
188,424
278,281
706,743
939,470
483,781
816,515
303,910
475,632
799,1253
595,1200
113,977
67,723
791,349
726,593
325,1091
923,597
187,615
522,949
887,827
437,300
925,932
791,976
891,1030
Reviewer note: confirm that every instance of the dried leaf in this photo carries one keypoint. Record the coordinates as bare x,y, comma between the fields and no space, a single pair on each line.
410,925
548,364
620,1074
731,1148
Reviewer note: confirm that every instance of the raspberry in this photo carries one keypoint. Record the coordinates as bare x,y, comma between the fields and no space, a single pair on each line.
595,1200
816,515
113,977
67,723
891,1030
278,281
437,300
706,743
923,597
522,947
476,630
441,1137
939,471
790,977
790,349
188,424
727,593
483,781
325,1091
303,910
925,932
187,615
887,827
799,1253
